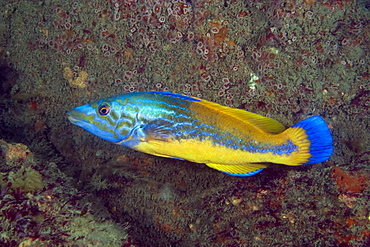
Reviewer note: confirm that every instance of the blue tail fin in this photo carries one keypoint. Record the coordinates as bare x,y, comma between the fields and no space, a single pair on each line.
321,146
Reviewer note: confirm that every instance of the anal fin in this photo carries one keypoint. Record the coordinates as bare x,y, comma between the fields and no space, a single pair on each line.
244,170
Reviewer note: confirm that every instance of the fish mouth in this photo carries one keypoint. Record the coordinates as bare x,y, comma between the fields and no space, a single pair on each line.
75,118
71,118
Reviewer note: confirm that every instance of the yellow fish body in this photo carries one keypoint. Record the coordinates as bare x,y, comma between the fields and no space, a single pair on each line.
234,141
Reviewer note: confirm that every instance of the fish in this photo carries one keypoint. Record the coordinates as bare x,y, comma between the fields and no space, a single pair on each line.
234,141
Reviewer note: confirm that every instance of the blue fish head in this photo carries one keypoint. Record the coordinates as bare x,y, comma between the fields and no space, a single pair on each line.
105,118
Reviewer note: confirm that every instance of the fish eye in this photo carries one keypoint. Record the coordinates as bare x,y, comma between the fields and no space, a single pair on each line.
104,109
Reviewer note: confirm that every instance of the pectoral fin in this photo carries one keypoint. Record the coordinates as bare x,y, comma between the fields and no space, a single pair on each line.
244,170
159,129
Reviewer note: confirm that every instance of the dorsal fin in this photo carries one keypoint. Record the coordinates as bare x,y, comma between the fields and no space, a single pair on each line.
179,96
266,124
